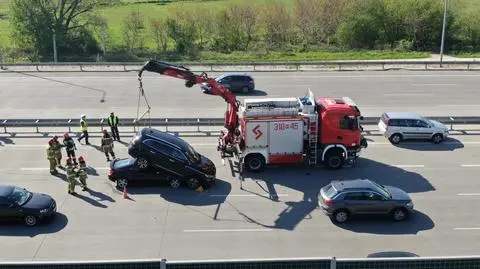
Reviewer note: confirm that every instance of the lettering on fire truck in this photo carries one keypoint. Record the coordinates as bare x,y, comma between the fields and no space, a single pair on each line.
257,132
285,126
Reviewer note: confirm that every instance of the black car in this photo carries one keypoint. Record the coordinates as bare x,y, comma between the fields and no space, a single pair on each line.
234,82
19,203
124,171
171,155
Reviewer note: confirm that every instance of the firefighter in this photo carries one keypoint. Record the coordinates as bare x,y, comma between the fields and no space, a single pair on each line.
71,174
82,174
84,129
113,123
51,158
107,145
57,148
70,147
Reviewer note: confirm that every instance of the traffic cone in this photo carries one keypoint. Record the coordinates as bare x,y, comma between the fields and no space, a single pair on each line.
125,194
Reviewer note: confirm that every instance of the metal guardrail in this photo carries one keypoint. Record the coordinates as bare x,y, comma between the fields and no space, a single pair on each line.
181,122
459,262
246,66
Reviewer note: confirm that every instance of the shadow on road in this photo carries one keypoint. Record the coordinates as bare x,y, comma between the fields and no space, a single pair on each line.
91,171
449,144
6,141
48,226
309,181
392,254
384,225
255,92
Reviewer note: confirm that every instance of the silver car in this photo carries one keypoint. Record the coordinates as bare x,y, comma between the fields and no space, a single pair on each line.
398,126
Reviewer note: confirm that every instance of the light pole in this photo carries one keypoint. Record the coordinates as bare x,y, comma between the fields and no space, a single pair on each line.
443,31
54,46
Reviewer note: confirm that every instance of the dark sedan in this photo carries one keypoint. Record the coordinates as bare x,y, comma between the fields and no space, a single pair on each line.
19,203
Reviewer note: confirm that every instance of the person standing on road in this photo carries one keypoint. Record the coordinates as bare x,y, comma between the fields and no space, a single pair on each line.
51,158
107,145
71,174
113,123
57,148
70,147
84,129
82,174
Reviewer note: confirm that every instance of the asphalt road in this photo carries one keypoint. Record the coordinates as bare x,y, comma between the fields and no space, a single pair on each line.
72,94
276,214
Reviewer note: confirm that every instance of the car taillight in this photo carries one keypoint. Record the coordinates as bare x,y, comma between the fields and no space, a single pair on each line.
328,202
110,171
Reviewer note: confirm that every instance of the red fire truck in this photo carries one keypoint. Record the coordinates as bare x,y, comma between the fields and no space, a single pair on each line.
291,130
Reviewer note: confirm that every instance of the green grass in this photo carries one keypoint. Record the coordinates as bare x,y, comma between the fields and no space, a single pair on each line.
468,55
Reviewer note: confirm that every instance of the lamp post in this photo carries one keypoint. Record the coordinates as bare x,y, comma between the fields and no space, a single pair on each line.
443,31
54,46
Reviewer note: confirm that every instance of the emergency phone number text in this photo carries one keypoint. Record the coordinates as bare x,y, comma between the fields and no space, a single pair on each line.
285,126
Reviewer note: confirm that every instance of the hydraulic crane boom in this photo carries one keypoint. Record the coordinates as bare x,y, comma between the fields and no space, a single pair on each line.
231,115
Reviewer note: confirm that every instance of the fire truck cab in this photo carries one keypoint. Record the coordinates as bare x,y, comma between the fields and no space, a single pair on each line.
296,130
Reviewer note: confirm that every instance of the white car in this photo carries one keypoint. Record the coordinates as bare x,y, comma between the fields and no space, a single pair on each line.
398,126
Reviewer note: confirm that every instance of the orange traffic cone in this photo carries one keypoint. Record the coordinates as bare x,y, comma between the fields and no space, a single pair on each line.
125,194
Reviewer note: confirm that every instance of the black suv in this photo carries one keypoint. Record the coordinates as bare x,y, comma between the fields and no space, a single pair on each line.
154,148
342,199
234,82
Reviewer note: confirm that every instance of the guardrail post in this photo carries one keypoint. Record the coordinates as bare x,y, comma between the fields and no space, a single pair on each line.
69,127
5,126
198,125
163,264
166,125
383,66
36,67
451,123
81,68
101,124
426,66
333,263
36,122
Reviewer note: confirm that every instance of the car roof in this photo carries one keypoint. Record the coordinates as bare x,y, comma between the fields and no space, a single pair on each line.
166,137
403,115
357,184
233,74
5,190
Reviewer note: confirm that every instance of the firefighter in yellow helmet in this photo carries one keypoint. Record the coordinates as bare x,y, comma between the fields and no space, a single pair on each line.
71,174
82,174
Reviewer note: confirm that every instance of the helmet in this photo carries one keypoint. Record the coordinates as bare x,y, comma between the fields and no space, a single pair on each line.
69,160
65,134
55,137
50,142
80,159
83,116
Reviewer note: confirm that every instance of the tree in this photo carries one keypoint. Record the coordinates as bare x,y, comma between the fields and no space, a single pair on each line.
245,19
132,31
182,30
159,30
277,24
35,22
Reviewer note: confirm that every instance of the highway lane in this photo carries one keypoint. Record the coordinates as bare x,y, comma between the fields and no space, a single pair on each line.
274,216
71,94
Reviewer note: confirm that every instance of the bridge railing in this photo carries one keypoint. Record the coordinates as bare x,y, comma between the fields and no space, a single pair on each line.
74,124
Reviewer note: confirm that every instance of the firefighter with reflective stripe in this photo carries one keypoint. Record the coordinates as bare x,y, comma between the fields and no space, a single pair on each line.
51,158
84,129
107,145
57,148
71,174
70,147
113,123
82,174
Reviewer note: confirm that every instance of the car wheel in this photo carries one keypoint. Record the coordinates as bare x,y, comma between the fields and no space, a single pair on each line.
30,220
245,90
174,182
142,163
340,216
193,183
395,138
399,214
122,183
255,163
437,138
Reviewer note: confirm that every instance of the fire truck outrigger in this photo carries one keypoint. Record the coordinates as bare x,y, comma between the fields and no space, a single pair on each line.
289,130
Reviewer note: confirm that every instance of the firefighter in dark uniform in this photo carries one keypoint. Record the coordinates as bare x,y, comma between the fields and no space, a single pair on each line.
107,145
82,174
57,148
70,147
113,123
71,175
51,158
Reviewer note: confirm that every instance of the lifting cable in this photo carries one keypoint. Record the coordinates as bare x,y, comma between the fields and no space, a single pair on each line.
141,93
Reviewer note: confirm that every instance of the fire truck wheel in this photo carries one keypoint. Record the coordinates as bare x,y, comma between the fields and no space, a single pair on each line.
334,159
254,162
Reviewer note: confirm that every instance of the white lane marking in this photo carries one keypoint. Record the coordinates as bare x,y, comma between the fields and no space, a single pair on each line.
248,195
467,228
470,165
410,165
433,84
408,94
227,230
468,194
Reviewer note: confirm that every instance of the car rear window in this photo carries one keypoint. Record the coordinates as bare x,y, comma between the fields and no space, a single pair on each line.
330,191
122,162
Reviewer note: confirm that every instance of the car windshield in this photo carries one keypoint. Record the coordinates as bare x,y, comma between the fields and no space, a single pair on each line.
382,190
192,155
19,196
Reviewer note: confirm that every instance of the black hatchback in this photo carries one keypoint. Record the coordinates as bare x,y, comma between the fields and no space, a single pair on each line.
172,155
234,82
19,203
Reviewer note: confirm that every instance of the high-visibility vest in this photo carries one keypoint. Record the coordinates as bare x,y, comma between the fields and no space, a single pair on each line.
83,125
113,121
